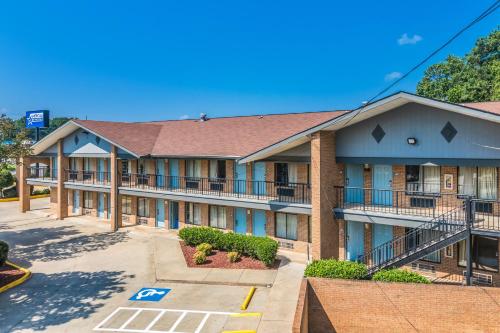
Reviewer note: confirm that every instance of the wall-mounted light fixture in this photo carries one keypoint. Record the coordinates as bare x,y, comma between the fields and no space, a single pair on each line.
411,141
366,166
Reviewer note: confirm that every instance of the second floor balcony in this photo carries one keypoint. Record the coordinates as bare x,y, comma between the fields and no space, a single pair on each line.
298,193
420,205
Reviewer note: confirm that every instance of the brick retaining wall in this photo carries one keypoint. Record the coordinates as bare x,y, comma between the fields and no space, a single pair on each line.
367,306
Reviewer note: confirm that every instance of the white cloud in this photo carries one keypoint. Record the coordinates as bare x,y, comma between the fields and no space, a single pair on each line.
405,39
184,116
393,76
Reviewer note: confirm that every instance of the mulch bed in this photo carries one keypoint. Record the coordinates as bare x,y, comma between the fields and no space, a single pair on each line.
218,259
9,274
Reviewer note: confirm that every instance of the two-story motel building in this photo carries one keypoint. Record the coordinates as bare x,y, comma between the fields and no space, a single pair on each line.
405,180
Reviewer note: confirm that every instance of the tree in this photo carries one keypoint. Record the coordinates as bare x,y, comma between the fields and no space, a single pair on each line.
14,142
6,180
472,78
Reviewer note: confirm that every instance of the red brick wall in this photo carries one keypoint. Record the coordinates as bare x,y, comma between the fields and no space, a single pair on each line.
335,305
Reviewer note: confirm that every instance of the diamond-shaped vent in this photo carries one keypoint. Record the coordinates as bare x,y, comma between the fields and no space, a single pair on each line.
76,139
378,133
97,140
448,132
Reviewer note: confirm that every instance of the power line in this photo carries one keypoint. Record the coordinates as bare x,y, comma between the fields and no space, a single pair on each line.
483,15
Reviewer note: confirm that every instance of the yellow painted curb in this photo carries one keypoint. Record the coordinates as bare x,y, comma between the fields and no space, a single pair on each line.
248,331
31,197
247,300
23,278
248,314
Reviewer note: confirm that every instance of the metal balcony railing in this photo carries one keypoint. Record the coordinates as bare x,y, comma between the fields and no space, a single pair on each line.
88,177
222,187
44,173
415,244
486,213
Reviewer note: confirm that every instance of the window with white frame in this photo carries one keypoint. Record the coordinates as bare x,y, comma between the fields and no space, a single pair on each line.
87,199
218,217
423,178
480,182
143,207
217,169
126,205
286,226
193,213
193,168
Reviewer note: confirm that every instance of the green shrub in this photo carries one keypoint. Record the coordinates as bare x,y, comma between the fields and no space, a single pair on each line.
332,268
194,236
233,256
4,252
199,257
399,275
6,179
205,248
261,248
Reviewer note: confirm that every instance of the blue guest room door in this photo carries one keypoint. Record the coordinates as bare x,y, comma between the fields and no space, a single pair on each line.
173,212
381,233
100,170
173,171
160,213
240,177
240,221
354,183
76,202
100,205
259,223
259,178
355,240
382,185
160,173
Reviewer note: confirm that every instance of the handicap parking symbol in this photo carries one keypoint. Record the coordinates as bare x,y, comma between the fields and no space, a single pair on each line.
150,294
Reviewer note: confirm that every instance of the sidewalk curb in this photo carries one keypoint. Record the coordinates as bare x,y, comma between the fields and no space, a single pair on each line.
217,283
17,282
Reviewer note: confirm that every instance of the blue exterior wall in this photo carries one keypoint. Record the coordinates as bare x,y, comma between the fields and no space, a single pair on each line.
425,124
86,145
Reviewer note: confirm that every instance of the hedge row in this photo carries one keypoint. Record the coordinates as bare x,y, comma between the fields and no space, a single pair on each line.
338,269
262,248
399,275
335,269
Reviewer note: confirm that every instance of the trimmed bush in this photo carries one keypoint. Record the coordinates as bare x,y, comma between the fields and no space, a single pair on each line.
194,236
336,269
399,275
199,257
205,248
261,248
233,256
4,252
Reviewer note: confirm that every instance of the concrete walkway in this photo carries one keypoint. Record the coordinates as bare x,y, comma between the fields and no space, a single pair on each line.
82,272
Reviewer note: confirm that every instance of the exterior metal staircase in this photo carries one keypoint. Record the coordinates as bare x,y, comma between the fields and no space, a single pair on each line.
427,238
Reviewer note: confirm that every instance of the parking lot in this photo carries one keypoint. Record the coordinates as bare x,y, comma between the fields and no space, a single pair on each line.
83,277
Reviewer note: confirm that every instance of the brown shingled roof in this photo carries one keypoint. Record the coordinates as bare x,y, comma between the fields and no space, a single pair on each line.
493,107
224,137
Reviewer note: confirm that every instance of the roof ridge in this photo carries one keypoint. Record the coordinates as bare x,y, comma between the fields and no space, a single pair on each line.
240,116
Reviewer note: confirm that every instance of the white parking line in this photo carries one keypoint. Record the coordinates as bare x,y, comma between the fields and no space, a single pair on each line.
161,312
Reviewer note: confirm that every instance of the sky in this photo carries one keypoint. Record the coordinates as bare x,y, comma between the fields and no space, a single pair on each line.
152,60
